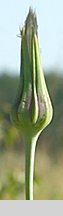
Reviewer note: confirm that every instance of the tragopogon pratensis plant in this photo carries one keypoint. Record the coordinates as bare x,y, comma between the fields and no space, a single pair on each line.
32,110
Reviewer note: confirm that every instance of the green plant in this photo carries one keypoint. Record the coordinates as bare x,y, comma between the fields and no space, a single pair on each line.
32,110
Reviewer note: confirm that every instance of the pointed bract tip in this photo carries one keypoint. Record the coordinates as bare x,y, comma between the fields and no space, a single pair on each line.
31,21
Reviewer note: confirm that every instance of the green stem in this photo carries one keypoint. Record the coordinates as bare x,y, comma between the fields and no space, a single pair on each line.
29,166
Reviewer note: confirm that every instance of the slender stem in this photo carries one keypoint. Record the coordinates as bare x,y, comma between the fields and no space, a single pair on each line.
29,166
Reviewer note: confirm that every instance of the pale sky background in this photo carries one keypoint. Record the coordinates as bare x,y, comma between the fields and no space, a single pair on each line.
50,29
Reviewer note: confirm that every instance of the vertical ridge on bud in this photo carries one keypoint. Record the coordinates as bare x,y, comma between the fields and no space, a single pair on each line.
44,102
27,85
34,113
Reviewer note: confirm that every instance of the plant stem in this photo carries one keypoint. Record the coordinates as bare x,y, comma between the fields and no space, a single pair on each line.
29,166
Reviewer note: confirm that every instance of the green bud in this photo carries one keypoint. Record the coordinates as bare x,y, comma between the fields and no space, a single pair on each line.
32,108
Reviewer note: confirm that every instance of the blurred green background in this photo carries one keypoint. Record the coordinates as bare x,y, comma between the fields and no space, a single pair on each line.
48,176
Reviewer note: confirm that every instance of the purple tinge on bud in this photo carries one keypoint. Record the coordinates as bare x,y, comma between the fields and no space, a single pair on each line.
42,107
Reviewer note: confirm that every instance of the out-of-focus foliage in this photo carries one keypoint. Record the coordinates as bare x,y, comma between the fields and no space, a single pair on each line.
11,175
8,88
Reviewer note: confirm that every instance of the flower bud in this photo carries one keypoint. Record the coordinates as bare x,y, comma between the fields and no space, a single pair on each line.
32,110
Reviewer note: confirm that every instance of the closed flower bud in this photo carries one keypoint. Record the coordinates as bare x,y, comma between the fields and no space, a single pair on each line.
33,105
